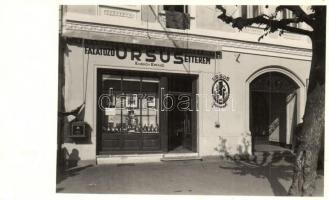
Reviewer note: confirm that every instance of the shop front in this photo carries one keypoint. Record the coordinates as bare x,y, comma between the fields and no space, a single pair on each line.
143,112
138,99
143,101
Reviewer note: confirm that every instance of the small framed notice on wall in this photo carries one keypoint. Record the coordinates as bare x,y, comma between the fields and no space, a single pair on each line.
78,129
151,102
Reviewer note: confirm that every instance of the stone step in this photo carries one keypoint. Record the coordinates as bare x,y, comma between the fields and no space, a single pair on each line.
127,159
181,158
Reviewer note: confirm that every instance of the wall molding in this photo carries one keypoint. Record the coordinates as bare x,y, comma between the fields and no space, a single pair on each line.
221,43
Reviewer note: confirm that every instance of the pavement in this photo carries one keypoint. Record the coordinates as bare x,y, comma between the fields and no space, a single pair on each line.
267,175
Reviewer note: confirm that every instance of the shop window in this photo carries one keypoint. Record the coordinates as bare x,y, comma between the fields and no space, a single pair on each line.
149,106
177,16
131,108
111,103
131,105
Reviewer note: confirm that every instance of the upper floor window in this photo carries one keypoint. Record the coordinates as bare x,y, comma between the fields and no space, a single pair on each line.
255,11
286,14
177,16
244,11
250,11
177,8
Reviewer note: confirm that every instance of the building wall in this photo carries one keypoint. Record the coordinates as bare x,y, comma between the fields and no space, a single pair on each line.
232,118
82,9
206,18
203,22
142,25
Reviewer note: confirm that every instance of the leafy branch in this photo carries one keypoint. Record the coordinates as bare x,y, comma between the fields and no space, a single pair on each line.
272,24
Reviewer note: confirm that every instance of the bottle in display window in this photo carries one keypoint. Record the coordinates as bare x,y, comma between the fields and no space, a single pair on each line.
150,102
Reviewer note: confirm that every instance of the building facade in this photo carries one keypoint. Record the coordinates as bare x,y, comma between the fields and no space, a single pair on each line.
148,82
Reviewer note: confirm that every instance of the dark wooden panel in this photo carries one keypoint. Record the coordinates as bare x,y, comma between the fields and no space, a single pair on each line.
154,143
151,136
194,115
111,144
163,115
132,136
149,149
131,144
111,136
98,116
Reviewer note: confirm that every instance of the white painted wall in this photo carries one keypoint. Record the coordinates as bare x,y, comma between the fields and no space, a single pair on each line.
234,122
243,59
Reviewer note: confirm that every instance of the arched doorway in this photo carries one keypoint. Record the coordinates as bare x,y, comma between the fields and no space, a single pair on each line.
273,110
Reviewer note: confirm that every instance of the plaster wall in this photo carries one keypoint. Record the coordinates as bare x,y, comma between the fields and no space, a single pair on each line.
80,75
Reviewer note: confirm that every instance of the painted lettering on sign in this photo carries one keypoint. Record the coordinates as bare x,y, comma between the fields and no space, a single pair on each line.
149,56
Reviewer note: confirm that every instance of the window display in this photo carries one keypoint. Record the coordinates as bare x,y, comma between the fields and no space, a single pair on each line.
150,111
130,119
131,105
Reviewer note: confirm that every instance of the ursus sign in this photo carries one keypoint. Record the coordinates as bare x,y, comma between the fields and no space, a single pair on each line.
149,55
220,90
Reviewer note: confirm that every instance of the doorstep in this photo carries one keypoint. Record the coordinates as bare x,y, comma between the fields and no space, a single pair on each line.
128,158
180,156
145,158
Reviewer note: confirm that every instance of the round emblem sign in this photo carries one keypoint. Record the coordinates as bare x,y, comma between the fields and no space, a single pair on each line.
220,92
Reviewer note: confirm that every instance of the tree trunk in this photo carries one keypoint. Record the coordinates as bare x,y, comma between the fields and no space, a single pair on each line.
305,169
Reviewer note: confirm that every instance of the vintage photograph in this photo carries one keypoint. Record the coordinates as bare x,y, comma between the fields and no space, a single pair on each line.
191,99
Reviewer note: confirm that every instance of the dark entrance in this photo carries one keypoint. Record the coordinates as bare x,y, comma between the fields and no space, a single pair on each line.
273,113
182,115
179,121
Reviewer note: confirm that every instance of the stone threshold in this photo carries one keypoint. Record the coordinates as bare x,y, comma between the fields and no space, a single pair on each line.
145,158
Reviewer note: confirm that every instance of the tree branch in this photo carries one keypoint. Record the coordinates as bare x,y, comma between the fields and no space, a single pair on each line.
271,24
298,11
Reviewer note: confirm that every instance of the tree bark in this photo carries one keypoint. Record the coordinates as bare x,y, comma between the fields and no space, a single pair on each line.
305,169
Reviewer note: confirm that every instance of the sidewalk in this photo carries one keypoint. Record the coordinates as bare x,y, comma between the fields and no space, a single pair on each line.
208,177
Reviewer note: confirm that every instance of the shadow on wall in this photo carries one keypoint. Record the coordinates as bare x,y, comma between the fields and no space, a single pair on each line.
67,162
70,164
70,160
243,150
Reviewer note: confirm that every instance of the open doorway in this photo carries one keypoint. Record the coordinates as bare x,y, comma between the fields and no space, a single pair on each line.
273,112
182,115
180,121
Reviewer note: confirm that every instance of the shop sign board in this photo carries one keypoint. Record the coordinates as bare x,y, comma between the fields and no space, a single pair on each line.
150,57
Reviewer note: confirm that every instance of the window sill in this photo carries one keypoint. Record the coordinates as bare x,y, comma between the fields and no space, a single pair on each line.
163,13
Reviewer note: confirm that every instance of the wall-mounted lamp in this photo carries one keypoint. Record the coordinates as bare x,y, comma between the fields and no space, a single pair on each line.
217,125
